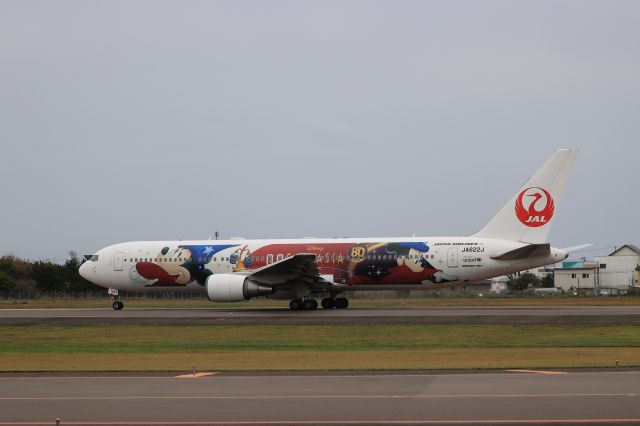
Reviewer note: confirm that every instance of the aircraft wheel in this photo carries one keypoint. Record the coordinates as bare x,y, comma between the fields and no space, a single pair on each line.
117,305
295,305
314,304
307,305
328,303
342,303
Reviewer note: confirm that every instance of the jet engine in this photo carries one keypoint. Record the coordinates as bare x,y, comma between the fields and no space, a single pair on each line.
233,288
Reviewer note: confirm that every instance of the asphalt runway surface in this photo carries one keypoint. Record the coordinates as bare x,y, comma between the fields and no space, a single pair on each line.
282,316
510,397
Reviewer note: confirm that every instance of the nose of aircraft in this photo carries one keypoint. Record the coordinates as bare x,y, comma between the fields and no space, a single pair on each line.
84,270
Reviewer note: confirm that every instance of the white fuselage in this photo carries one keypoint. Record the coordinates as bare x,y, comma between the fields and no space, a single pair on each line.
350,263
301,269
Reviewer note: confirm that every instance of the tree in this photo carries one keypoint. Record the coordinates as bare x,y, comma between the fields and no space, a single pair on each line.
49,276
6,265
44,275
6,281
547,281
74,282
525,281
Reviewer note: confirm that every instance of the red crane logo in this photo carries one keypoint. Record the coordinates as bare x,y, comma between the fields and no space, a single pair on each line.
534,206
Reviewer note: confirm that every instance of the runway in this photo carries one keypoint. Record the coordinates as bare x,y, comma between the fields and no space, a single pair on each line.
281,316
493,398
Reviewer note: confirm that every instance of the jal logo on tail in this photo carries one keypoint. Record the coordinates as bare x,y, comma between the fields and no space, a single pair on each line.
534,206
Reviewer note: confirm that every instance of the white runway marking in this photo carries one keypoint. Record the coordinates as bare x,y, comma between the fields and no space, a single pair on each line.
539,371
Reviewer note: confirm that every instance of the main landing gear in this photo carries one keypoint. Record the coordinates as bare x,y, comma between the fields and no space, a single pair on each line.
332,302
312,304
303,305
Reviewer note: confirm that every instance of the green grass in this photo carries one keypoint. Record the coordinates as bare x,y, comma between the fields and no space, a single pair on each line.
345,347
162,339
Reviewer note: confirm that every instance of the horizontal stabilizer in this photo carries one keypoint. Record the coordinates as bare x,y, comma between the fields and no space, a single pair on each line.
532,250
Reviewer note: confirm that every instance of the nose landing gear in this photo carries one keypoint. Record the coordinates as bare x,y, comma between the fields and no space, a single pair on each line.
117,302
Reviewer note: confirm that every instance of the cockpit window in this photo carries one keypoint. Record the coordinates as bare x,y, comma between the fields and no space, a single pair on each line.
94,258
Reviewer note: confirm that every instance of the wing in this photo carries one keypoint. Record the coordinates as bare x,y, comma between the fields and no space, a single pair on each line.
298,268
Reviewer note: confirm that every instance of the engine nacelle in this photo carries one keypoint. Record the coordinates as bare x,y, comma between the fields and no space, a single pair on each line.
233,288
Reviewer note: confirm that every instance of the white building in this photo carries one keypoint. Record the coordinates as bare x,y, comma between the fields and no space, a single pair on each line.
617,272
580,276
612,274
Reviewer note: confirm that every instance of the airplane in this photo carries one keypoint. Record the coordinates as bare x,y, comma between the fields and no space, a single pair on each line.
303,270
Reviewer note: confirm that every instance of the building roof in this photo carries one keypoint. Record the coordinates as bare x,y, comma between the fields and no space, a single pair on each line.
629,246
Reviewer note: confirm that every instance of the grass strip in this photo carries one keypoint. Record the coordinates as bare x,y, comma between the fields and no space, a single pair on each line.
350,347
415,359
305,338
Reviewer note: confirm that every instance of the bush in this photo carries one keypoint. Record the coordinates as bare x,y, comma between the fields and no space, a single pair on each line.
42,275
525,281
7,282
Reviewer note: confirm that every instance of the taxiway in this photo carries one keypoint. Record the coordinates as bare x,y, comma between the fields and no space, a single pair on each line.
281,316
512,397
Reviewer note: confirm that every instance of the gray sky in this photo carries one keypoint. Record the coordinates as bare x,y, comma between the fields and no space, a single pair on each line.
133,120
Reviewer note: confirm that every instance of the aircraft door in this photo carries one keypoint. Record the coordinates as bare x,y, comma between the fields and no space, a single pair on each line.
452,261
117,261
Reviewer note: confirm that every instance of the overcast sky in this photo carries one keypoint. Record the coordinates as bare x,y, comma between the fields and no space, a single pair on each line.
143,120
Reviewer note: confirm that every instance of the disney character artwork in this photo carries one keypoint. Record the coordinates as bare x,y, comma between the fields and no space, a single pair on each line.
396,263
177,267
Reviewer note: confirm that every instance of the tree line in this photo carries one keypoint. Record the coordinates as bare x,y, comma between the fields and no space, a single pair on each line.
528,280
25,275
